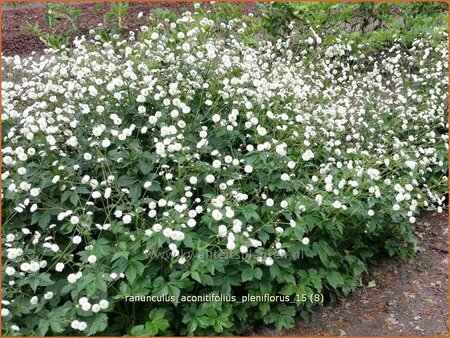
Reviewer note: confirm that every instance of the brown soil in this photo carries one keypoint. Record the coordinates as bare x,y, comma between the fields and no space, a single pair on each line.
410,297
17,41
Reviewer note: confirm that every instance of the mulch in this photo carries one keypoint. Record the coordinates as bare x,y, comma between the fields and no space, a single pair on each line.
16,41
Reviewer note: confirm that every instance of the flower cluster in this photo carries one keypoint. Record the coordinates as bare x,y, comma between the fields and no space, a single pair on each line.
179,140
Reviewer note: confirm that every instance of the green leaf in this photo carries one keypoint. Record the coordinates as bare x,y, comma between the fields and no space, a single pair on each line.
335,279
134,269
195,275
157,322
258,273
144,167
43,326
247,274
125,181
135,191
97,323
250,212
138,330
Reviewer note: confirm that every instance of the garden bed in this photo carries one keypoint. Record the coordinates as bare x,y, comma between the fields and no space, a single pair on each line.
296,160
409,297
17,41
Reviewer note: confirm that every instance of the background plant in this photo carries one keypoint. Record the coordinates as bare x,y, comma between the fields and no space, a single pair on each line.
55,37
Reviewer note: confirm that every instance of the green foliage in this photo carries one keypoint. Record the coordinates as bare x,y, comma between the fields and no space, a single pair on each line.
52,35
375,23
97,118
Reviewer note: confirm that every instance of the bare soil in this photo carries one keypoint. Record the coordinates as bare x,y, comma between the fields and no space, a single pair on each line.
16,41
410,297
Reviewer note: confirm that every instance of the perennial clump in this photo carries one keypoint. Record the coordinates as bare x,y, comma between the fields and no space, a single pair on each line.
183,161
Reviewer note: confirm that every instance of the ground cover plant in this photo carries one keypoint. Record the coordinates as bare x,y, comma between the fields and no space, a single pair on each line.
209,157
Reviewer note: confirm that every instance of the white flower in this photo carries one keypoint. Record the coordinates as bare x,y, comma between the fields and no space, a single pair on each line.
72,141
92,259
319,199
217,215
48,295
74,220
75,324
82,326
281,149
10,271
229,213
76,239
34,266
337,204
186,47
231,245
95,308
237,228
72,278
410,164
222,231
5,312
103,304
35,192
25,267
210,178
285,177
167,232
370,213
59,267
126,219
157,227
106,143
96,194
270,202
216,164
305,240
307,155
284,204
193,180
248,168
34,300
268,261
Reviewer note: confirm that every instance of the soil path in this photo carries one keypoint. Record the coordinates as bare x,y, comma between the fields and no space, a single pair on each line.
410,297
